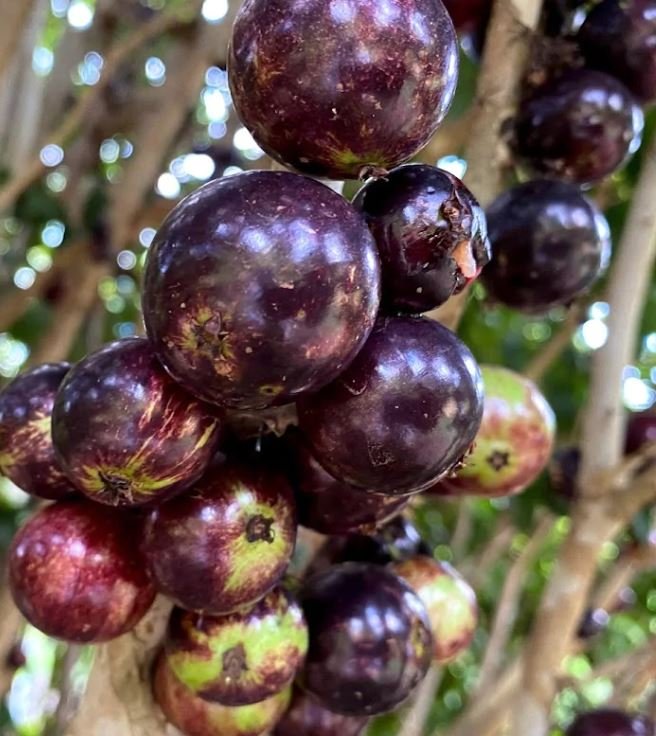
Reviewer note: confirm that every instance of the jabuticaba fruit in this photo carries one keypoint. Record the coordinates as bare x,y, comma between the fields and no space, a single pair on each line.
125,433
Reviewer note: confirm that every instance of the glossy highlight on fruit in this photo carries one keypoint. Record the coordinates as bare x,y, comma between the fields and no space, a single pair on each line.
76,572
619,38
403,414
272,295
197,717
125,433
549,244
370,641
430,232
242,658
450,602
580,127
341,88
329,506
226,544
306,717
27,456
610,722
514,443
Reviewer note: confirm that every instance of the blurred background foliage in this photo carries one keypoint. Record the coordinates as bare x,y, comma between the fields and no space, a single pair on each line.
48,219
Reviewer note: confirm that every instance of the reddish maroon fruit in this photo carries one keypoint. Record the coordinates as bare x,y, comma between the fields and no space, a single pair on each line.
549,244
619,38
227,543
450,602
306,717
430,232
609,722
514,442
370,641
467,15
76,572
27,457
640,431
196,717
125,433
273,294
330,506
403,413
581,127
242,658
343,88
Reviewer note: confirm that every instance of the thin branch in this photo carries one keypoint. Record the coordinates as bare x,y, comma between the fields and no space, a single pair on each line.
463,529
551,352
415,720
476,570
595,519
14,19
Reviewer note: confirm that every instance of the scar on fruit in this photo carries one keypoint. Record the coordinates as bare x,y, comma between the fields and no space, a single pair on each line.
499,460
120,488
258,529
234,662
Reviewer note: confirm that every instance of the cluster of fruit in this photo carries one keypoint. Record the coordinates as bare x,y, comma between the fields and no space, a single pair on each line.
268,288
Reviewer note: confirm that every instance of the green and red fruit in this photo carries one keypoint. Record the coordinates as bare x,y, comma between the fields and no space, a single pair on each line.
549,244
227,543
329,506
76,572
273,294
640,431
430,232
619,37
242,658
125,433
580,127
610,722
514,443
403,414
450,602
27,456
370,639
307,717
197,717
342,89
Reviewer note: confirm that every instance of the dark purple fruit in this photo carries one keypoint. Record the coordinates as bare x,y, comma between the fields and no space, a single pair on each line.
76,572
467,14
609,722
27,457
430,232
403,413
619,38
242,658
306,717
370,640
563,471
594,621
549,244
330,506
227,543
340,89
580,127
125,433
197,717
450,602
640,431
273,294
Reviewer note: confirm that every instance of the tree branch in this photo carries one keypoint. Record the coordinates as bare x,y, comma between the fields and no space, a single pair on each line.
415,720
14,18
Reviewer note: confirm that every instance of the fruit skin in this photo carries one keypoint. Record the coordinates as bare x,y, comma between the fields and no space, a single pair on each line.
515,441
430,232
197,717
27,456
563,472
370,640
403,413
579,127
619,38
450,602
306,717
330,506
76,572
594,621
610,722
640,431
467,14
125,433
227,543
242,658
274,293
549,244
338,89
